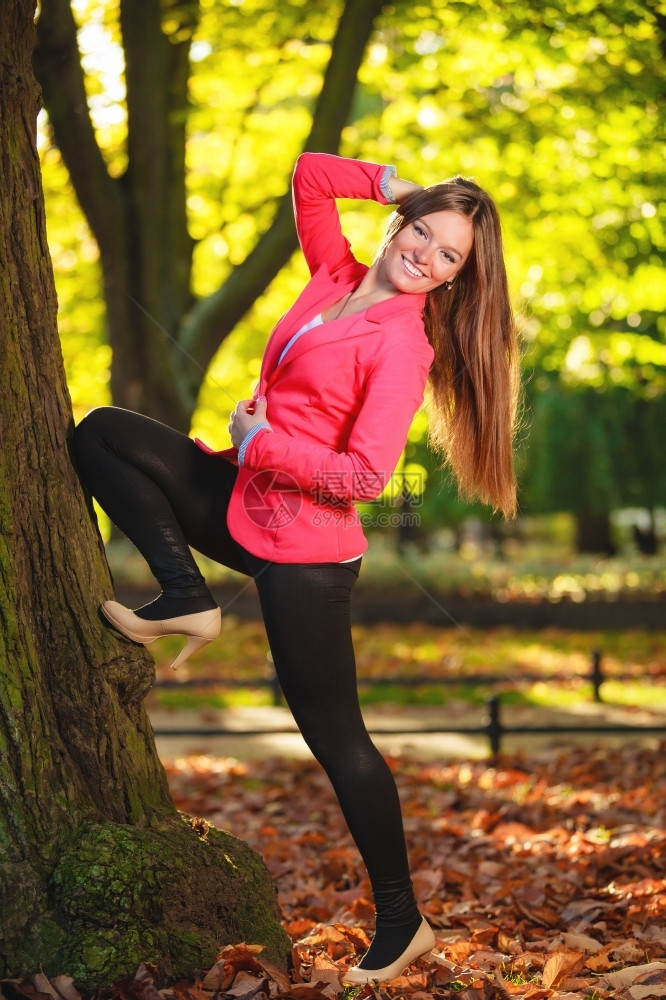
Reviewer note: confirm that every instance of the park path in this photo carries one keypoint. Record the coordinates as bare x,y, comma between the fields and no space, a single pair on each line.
421,746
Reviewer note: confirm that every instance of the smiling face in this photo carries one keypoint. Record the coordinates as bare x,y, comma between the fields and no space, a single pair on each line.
427,252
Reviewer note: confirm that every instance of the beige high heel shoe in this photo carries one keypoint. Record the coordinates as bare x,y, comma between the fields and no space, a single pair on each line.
420,946
201,628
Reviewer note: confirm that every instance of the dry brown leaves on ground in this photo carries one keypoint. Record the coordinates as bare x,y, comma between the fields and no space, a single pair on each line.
542,877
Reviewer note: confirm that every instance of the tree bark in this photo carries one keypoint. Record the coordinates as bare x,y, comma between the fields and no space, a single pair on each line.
139,221
97,869
593,533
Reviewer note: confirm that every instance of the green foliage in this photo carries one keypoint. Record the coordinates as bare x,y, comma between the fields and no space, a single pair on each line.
594,450
555,109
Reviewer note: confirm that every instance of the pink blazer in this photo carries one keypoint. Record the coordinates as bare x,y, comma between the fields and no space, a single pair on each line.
341,402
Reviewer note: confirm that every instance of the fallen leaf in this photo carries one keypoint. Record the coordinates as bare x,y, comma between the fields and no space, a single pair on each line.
143,986
303,993
602,960
65,987
245,986
638,992
201,827
630,952
217,978
531,902
325,974
579,983
627,977
458,951
581,942
280,977
516,863
426,882
559,965
363,909
42,985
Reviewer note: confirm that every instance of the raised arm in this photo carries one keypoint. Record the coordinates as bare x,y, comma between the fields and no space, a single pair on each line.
320,178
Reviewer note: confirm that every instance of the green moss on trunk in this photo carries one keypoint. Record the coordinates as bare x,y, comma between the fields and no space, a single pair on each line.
122,895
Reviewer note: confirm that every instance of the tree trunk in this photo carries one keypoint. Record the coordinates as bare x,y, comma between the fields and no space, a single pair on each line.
593,533
646,539
139,219
97,869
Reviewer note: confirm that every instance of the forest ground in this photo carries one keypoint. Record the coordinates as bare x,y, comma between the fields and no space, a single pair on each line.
543,872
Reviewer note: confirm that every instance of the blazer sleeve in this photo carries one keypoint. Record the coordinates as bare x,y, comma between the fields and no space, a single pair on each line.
320,178
394,393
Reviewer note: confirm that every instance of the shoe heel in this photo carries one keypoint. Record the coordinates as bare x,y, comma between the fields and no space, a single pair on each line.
421,947
194,643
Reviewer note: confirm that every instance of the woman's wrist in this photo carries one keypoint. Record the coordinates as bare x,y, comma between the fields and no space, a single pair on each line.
402,189
263,425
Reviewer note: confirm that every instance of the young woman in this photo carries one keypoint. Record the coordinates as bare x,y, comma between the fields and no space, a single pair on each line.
343,374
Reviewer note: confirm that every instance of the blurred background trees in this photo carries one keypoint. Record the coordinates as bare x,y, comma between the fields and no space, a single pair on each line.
135,197
197,112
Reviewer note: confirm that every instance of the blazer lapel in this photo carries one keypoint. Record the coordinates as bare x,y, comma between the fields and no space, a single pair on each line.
356,325
321,291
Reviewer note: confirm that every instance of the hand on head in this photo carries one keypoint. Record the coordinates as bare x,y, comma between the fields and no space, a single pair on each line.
402,189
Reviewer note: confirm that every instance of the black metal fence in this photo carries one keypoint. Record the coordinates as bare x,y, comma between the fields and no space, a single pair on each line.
494,728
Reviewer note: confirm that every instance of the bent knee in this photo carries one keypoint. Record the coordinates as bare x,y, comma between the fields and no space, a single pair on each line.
97,423
95,430
98,416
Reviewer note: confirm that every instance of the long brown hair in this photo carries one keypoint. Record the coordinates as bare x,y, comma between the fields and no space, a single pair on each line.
474,379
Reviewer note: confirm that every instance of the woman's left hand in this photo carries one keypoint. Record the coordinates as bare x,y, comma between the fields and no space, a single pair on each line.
402,189
247,414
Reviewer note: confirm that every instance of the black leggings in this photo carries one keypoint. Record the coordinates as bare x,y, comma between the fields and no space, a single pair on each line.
166,495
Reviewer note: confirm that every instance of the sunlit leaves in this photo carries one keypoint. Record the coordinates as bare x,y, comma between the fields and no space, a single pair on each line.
630,359
556,109
99,33
251,97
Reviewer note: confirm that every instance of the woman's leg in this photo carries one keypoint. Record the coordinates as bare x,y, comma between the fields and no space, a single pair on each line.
306,610
166,495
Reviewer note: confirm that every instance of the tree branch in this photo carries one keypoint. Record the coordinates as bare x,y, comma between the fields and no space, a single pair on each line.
660,18
213,318
57,66
147,100
159,247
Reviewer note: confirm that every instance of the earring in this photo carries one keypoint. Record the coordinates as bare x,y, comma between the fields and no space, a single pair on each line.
448,285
